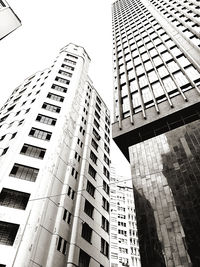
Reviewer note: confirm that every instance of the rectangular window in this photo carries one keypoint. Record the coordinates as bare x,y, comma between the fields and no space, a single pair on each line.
106,159
104,247
2,4
70,61
106,147
95,133
105,204
65,73
14,199
105,224
33,151
98,107
24,172
40,134
106,173
97,115
84,259
93,157
62,245
90,188
67,216
55,97
94,144
98,100
106,187
69,55
61,80
92,171
86,232
107,138
96,124
45,119
89,209
67,67
51,107
59,88
8,232
70,192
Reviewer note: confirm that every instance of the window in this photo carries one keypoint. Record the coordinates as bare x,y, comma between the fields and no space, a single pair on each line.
106,159
90,188
14,199
86,232
106,147
67,67
107,129
96,124
94,144
69,55
107,138
40,134
74,173
106,173
105,204
84,259
71,193
45,119
24,172
2,4
8,232
55,97
98,107
97,115
33,151
104,247
65,73
62,245
4,151
51,107
67,216
89,209
95,133
92,171
98,100
106,187
61,80
93,157
105,224
70,61
59,88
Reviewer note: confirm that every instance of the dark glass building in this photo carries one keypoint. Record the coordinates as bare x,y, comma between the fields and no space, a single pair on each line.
156,68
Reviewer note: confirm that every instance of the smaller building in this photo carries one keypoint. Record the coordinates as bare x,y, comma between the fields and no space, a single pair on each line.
124,247
8,19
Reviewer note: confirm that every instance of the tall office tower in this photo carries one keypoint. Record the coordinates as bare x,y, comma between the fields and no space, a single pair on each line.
124,247
8,19
156,84
54,139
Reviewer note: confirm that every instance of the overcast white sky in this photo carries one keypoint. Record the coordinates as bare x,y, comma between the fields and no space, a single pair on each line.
46,27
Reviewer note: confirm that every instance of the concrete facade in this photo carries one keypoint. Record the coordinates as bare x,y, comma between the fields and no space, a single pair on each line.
156,70
54,140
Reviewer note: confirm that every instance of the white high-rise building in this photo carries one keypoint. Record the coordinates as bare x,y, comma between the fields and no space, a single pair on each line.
54,175
124,247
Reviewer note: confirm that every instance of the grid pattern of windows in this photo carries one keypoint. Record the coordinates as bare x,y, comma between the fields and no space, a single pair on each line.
24,172
8,232
40,134
13,199
150,66
45,119
33,151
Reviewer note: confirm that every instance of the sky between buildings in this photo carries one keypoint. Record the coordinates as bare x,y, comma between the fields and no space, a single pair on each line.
49,25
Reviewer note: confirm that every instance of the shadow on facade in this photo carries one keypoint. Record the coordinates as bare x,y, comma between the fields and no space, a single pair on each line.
150,247
181,167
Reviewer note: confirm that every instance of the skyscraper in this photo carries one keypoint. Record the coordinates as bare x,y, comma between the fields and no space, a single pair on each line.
54,175
124,247
156,52
8,19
